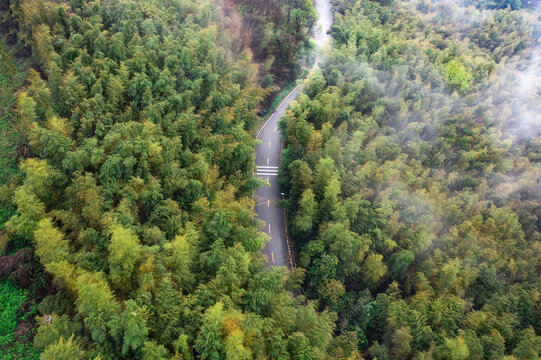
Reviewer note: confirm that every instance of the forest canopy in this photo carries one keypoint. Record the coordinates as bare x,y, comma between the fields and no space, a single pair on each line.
133,129
412,162
411,172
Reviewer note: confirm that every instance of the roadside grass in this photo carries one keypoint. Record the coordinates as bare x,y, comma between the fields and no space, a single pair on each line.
279,97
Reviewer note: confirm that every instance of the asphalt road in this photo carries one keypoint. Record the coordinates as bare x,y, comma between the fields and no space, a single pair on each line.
268,154
323,8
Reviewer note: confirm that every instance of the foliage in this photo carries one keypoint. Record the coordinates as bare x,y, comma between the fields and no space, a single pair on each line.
12,298
414,193
457,76
277,31
278,98
135,125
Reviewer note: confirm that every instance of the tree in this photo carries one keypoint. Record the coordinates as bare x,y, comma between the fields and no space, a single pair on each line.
59,327
457,76
124,252
26,116
456,349
96,303
373,269
307,211
180,259
209,343
51,246
399,263
129,328
31,211
331,290
300,349
529,346
64,350
329,203
153,351
348,246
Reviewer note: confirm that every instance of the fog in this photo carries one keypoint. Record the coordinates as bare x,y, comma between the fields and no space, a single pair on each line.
324,23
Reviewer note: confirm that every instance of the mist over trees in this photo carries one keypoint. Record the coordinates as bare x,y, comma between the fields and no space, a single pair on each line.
411,161
413,174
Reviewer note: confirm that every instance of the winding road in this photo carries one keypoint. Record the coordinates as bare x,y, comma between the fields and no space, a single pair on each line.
268,154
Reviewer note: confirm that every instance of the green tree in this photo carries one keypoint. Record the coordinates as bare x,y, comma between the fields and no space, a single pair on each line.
307,211
64,350
124,252
129,328
373,269
208,343
457,76
51,246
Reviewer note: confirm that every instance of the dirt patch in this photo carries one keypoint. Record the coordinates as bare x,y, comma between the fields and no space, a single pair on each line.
24,53
24,269
10,264
24,330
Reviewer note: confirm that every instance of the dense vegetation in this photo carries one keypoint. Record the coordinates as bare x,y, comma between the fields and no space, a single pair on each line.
133,128
277,31
413,164
13,345
412,160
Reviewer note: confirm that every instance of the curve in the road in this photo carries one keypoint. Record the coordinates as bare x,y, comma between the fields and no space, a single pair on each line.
268,153
278,250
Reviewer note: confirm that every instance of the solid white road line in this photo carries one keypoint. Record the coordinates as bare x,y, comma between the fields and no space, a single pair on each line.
269,170
275,109
272,171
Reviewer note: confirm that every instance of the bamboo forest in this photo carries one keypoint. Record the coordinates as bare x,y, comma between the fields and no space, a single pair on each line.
270,179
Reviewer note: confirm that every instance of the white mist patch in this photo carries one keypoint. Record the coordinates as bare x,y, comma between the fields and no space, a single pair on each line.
516,94
528,97
324,23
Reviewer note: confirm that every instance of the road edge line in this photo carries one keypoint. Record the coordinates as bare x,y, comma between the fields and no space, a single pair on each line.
272,114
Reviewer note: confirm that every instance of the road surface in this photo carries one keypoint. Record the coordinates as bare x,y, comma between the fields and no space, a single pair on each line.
324,22
267,159
278,250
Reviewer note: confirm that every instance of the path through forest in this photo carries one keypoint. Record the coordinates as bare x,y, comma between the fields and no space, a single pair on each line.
268,153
